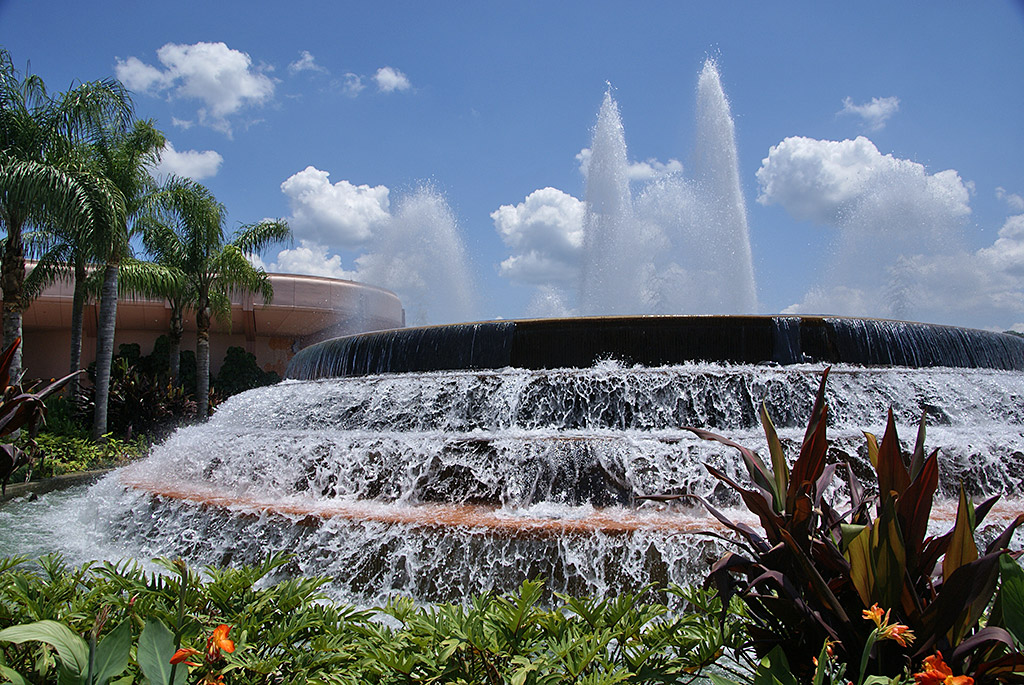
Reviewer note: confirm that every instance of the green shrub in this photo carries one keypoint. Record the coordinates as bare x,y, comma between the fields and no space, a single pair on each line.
241,372
55,455
286,631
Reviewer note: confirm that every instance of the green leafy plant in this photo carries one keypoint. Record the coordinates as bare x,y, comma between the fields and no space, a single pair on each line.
20,409
808,576
286,631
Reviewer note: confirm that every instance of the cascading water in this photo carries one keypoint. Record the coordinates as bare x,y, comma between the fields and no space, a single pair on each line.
443,484
682,245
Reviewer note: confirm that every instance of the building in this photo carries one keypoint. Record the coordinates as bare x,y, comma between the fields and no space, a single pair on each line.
305,310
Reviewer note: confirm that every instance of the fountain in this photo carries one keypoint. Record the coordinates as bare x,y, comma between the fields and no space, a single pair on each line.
442,461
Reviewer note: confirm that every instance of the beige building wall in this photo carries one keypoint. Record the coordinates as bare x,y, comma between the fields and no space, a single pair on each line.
305,310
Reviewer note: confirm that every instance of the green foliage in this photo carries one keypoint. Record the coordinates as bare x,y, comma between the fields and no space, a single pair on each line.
55,455
141,400
20,409
285,631
241,372
808,578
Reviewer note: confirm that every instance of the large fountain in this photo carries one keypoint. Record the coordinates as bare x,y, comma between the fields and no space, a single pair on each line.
441,461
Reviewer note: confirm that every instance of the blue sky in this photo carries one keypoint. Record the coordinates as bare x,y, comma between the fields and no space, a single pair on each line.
880,143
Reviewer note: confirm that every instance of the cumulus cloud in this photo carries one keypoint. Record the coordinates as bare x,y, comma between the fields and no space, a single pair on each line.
341,214
306,62
545,232
649,170
874,114
898,249
311,259
828,182
390,79
350,84
1013,200
191,163
223,79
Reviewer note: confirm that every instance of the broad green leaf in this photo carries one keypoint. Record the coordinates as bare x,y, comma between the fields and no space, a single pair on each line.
1012,597
872,448
774,669
849,531
962,548
156,647
112,653
72,649
779,467
878,560
12,675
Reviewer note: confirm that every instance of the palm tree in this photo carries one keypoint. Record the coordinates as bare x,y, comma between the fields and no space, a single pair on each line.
39,184
191,239
124,159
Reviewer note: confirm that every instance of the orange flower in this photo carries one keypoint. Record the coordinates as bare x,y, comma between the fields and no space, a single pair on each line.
184,653
903,635
219,642
876,614
936,672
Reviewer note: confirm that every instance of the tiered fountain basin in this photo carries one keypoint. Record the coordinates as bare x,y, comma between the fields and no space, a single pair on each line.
446,482
657,341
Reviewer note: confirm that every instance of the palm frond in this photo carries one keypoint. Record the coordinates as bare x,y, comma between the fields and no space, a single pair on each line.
137,279
254,238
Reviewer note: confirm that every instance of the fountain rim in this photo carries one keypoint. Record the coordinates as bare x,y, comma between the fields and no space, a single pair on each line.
658,340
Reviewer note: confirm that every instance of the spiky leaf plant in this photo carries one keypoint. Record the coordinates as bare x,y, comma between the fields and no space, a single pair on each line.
816,565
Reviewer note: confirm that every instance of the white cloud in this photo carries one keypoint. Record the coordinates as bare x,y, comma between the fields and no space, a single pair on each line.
390,79
224,80
310,259
649,170
351,84
306,62
874,114
341,214
545,232
191,163
828,181
898,248
1013,200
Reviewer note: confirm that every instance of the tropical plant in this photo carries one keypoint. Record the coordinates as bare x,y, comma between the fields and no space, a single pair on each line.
189,236
239,371
238,624
39,182
20,409
809,576
124,159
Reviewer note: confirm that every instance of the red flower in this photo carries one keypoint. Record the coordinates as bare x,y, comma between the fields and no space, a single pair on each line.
936,672
219,642
184,653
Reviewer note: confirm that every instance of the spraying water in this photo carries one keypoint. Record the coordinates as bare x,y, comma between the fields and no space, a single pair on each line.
420,256
682,245
611,271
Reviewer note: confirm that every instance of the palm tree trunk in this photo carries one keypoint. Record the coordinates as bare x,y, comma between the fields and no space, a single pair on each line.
12,282
203,362
174,348
77,310
105,348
